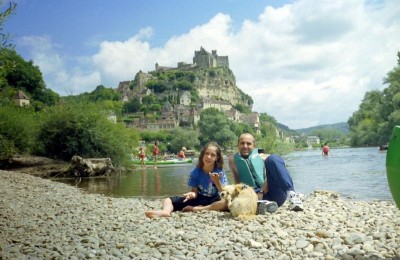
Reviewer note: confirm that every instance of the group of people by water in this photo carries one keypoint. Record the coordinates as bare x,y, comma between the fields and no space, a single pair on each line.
155,154
265,173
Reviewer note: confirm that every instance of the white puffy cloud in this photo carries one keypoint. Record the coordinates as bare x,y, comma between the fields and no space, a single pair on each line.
63,80
305,63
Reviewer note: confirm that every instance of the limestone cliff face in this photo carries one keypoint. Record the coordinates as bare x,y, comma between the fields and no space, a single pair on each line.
222,86
216,82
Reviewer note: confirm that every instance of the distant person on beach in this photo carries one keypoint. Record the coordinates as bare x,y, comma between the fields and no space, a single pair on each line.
206,180
325,150
142,155
181,154
156,152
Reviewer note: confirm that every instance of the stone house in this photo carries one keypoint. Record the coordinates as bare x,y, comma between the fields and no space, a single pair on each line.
233,115
253,120
185,98
208,102
312,140
20,99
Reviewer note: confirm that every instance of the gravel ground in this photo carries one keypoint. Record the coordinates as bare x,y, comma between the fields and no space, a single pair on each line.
41,219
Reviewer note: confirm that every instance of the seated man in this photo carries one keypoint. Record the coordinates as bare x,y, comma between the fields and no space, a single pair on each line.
248,167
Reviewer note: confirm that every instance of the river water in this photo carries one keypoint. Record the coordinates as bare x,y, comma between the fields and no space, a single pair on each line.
356,173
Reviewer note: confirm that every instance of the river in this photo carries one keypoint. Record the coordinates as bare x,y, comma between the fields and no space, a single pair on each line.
356,173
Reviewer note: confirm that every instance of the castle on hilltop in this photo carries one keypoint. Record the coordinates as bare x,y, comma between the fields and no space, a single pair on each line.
215,88
202,60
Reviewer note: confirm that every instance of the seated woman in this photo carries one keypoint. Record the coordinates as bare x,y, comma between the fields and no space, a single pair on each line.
206,180
181,154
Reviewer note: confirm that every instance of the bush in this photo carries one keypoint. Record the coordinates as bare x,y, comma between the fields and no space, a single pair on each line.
18,128
84,130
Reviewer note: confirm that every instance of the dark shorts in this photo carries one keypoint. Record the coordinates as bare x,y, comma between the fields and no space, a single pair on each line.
178,203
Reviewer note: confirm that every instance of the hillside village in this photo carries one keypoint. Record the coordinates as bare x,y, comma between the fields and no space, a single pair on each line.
218,92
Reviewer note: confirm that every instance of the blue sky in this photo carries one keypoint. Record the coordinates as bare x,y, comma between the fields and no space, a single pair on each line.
304,62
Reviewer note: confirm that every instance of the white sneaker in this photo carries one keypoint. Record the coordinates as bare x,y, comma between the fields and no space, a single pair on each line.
295,202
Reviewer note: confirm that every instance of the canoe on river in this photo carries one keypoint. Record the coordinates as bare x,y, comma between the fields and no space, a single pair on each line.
166,163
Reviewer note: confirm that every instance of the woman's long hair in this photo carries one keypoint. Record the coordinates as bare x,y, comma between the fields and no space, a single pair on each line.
220,159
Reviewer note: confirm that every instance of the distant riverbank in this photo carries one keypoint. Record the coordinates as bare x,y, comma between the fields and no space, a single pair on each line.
41,219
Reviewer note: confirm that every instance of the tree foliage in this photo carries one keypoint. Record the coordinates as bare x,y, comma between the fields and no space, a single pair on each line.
183,137
329,135
18,129
4,37
84,130
132,106
183,85
18,74
214,126
158,86
102,93
378,113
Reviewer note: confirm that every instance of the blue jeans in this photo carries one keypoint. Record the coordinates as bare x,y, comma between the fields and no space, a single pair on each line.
278,178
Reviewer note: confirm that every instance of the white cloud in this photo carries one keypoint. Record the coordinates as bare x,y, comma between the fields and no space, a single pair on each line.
63,80
305,63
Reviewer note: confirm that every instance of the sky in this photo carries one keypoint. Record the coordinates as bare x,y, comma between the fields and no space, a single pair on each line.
304,62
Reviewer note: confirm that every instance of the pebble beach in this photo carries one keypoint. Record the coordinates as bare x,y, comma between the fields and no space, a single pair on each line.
42,219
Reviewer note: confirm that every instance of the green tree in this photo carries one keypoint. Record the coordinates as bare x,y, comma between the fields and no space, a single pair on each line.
329,135
214,126
240,128
152,136
18,129
19,74
84,129
378,113
102,93
157,86
183,137
132,106
4,37
149,99
183,85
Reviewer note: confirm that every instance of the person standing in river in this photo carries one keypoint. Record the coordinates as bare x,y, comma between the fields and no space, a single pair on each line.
142,156
326,150
206,180
156,152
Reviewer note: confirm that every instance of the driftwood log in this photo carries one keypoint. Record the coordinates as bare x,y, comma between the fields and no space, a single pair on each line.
90,167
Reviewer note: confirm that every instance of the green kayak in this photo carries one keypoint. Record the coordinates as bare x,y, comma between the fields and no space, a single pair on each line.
393,165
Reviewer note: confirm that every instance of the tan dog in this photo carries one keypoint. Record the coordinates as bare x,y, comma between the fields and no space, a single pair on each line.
242,200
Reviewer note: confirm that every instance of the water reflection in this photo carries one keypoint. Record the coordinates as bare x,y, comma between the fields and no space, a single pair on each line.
138,182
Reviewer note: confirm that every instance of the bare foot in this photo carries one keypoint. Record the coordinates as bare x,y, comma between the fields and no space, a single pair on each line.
157,213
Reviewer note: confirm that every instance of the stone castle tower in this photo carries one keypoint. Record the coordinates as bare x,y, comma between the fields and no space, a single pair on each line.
204,59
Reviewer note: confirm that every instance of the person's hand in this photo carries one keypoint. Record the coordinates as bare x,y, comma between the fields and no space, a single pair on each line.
189,196
214,176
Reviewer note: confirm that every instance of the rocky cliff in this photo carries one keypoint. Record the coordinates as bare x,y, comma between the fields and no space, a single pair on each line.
218,82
